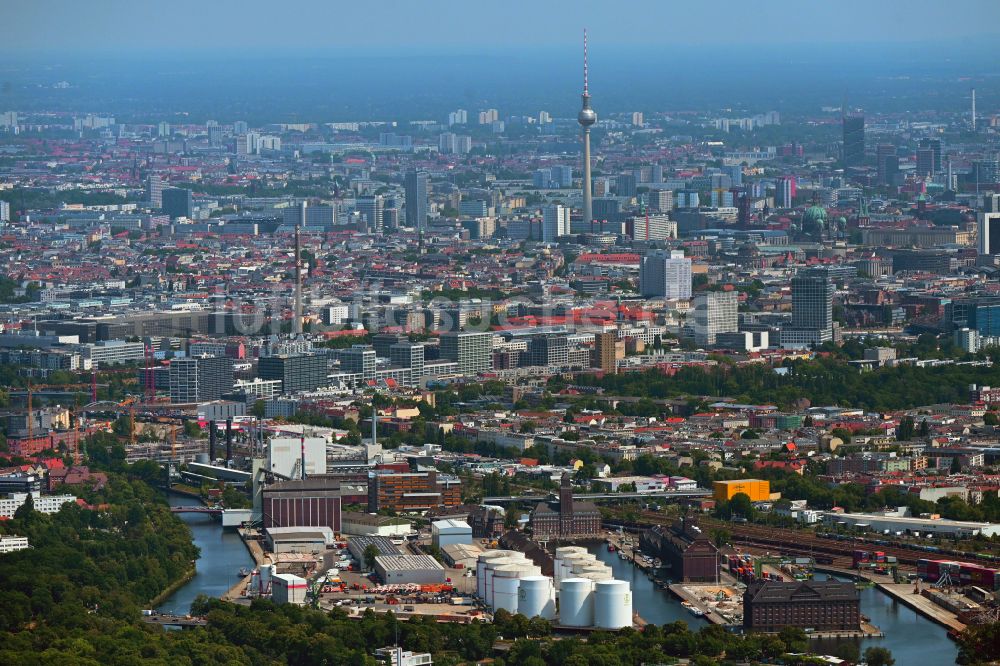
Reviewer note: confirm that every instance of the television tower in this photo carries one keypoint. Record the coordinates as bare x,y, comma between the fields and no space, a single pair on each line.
586,118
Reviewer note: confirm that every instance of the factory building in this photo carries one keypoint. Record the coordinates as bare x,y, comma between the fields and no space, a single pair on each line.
450,531
354,523
298,539
420,569
356,546
770,606
302,503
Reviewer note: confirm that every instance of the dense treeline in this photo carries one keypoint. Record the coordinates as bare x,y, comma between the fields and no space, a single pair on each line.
824,381
104,562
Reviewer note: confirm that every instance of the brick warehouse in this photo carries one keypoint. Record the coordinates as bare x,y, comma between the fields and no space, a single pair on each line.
572,519
688,551
769,606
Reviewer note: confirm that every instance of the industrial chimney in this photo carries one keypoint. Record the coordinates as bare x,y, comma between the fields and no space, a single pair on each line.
211,442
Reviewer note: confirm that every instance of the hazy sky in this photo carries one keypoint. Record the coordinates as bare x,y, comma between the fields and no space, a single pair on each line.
377,26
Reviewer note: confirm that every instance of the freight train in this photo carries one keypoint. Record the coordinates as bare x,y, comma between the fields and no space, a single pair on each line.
954,552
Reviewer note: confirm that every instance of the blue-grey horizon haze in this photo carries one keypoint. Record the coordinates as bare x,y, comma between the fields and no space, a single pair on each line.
196,25
310,61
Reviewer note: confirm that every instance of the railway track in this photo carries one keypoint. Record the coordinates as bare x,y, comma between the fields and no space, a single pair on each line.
803,542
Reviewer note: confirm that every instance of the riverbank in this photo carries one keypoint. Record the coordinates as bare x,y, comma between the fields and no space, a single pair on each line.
223,554
904,594
173,587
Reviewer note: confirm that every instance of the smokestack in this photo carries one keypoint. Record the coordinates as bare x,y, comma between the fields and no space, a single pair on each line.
302,443
973,109
229,440
211,442
297,319
374,423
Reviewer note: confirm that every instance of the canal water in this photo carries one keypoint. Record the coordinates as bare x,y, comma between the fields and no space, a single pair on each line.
654,605
223,553
913,639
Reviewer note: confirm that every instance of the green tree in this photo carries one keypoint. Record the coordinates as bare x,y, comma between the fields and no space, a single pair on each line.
879,656
989,418
906,429
741,505
258,409
369,555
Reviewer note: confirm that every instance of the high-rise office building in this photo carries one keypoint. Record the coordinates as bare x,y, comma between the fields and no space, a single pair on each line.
812,301
562,175
200,378
324,216
854,140
240,127
651,227
154,191
886,163
625,185
555,222
935,147
925,161
4,211
606,210
664,274
604,352
359,359
989,233
715,312
176,202
784,193
661,201
299,372
549,350
214,135
409,355
370,208
472,351
416,199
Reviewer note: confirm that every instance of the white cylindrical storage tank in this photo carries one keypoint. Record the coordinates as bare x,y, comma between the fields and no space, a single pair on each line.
481,569
612,604
596,575
576,602
505,592
534,597
267,573
590,567
573,559
562,553
491,568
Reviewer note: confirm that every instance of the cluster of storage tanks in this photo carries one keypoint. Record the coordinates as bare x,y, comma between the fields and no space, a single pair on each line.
586,591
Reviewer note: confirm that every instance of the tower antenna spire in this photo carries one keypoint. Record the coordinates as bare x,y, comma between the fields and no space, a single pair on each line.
585,72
